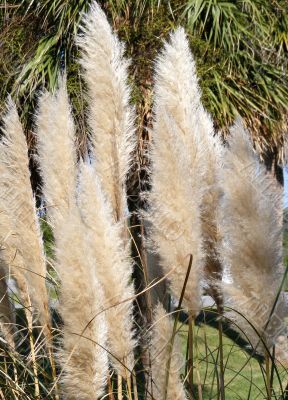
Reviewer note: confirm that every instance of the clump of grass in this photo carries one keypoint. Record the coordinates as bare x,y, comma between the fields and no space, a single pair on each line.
97,354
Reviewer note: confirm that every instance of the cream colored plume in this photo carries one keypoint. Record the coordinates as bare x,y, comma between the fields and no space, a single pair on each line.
83,355
160,352
111,117
252,239
57,153
21,238
181,129
112,266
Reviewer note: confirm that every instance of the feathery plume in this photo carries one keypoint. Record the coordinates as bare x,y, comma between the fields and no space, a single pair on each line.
57,153
23,247
162,330
110,117
177,169
111,121
82,356
252,239
112,267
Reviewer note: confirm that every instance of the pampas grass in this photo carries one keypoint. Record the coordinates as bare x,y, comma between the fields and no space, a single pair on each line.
102,199
112,266
83,354
57,154
177,170
252,240
110,115
23,249
86,206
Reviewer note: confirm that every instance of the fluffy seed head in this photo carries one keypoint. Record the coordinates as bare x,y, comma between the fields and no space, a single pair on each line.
112,266
177,169
110,114
252,239
23,248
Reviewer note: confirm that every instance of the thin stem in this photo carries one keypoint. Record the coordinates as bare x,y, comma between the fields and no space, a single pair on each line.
191,354
221,356
52,363
268,376
32,349
129,391
197,369
273,360
135,390
15,375
110,388
119,387
145,272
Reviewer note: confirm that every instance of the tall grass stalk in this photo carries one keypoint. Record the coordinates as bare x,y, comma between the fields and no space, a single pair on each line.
111,119
268,376
175,196
191,355
221,357
33,356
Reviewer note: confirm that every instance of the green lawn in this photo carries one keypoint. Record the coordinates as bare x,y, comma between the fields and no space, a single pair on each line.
243,375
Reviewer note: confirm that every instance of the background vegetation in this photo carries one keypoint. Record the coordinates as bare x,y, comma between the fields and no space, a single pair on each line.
240,47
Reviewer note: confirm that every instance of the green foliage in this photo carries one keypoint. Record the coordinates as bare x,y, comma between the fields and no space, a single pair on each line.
240,49
48,239
247,76
60,19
